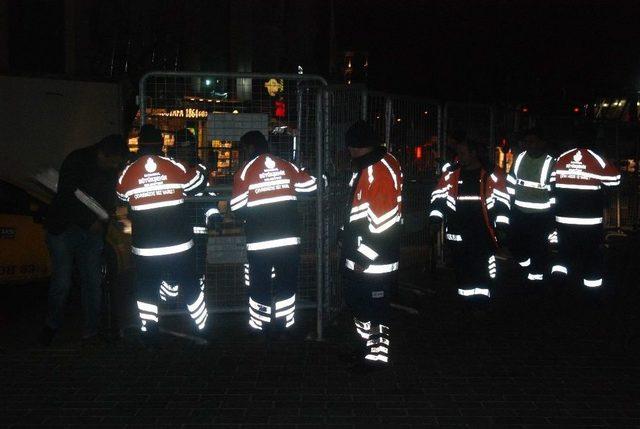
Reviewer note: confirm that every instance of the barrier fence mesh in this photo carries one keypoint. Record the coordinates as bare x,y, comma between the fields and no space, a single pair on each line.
305,120
218,109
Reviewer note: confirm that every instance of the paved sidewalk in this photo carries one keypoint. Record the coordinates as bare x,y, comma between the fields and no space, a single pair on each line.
515,367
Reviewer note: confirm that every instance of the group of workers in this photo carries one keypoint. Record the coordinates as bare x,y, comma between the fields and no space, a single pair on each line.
542,202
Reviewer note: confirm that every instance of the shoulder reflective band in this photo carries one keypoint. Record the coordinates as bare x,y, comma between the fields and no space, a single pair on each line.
195,182
271,244
91,204
592,283
545,170
271,200
474,291
579,220
454,237
246,167
393,175
436,213
445,167
517,163
239,201
373,269
308,186
199,230
468,198
535,206
159,251
559,269
160,204
598,158
525,263
502,219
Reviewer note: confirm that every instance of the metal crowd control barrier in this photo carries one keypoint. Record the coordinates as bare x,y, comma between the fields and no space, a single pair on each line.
219,108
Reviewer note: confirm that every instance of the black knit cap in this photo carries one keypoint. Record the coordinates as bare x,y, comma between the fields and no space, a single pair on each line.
360,134
255,139
149,135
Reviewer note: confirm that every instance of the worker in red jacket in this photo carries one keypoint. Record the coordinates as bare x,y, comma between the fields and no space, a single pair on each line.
371,240
265,193
162,237
474,204
579,179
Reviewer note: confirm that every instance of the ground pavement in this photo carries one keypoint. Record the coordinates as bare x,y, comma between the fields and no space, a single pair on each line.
517,364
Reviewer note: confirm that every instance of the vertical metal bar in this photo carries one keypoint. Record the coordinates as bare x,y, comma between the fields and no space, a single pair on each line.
492,133
388,113
142,101
296,154
440,137
365,98
319,222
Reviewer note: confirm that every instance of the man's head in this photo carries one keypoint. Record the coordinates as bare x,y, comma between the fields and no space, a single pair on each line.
533,142
186,146
469,151
360,139
112,151
149,140
254,142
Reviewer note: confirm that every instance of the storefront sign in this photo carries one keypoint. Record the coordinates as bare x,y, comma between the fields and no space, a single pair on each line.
274,86
185,113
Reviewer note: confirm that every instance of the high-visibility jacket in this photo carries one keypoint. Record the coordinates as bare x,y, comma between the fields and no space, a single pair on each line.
201,213
371,237
529,183
578,179
492,195
265,190
155,188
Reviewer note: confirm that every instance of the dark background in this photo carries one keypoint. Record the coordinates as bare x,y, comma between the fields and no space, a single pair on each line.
450,49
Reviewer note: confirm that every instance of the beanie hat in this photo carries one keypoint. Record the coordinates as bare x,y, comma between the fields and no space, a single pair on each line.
149,135
360,134
255,139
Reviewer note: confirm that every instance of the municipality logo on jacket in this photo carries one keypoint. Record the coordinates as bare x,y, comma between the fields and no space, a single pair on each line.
269,163
150,166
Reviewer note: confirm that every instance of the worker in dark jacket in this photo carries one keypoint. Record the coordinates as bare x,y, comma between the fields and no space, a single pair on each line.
371,241
474,204
76,225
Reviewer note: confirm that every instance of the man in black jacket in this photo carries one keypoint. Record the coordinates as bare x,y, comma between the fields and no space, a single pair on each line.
76,226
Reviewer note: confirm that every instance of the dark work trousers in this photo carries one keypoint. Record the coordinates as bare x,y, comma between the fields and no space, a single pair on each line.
169,290
474,265
80,247
580,254
368,297
530,243
272,269
177,269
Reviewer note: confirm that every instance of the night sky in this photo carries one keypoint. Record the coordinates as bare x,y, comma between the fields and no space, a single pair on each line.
447,49
498,49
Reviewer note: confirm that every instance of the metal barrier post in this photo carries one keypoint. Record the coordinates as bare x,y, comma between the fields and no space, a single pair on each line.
319,223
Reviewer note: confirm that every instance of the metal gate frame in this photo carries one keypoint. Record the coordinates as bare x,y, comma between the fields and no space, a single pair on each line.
321,142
